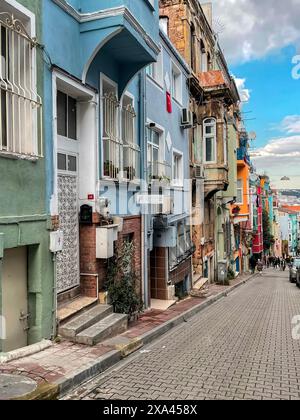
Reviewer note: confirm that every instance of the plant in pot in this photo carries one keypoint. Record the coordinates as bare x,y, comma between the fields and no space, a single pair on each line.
122,282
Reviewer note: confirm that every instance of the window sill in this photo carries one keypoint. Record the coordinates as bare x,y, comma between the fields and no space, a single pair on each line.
120,180
17,156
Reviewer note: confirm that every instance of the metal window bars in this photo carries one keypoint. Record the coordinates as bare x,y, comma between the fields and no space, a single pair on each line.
20,104
131,161
112,145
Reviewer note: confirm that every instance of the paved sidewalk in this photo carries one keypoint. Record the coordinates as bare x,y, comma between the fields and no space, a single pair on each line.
241,348
66,365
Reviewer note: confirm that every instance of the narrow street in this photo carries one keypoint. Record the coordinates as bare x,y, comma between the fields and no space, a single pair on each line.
240,348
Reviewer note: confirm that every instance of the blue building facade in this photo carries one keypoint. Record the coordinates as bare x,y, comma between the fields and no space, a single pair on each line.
94,53
168,245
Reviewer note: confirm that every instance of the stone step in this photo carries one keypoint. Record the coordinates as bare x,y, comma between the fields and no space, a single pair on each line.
66,311
106,328
85,321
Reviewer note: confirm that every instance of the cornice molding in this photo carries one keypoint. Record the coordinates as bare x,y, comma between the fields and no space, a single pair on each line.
106,13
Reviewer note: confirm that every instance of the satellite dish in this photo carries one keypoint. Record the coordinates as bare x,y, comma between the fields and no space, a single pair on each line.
252,136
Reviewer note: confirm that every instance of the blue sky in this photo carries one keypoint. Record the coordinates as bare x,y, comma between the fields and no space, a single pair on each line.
260,40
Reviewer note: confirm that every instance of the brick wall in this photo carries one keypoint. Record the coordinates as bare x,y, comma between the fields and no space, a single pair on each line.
92,268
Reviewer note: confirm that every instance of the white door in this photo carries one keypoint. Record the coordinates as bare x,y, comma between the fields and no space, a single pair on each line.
14,298
68,271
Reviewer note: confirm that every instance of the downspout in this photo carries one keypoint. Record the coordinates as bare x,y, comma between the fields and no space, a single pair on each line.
54,310
144,177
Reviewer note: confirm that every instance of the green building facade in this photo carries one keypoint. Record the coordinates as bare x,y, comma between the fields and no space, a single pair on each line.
26,267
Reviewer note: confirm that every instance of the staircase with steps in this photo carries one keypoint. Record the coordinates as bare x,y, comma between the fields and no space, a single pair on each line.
94,325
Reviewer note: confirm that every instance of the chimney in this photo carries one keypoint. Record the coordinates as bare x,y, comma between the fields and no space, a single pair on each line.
208,11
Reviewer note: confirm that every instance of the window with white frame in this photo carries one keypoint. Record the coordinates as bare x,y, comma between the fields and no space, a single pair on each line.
112,144
155,70
210,139
66,116
154,140
20,104
131,150
176,80
177,168
240,191
67,163
225,141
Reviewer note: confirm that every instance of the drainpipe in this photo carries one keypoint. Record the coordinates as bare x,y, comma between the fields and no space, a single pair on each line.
54,311
144,177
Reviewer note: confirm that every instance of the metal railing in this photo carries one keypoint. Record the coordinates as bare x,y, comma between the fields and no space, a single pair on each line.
160,171
112,145
131,150
20,105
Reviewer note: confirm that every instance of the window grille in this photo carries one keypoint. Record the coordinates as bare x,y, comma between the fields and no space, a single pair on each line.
131,162
20,105
112,145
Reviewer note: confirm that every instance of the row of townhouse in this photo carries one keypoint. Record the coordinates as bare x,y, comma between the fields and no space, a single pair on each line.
289,216
120,128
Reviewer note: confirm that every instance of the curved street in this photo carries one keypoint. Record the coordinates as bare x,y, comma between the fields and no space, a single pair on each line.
240,348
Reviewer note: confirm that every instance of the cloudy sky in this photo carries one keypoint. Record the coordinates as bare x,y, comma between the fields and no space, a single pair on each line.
261,39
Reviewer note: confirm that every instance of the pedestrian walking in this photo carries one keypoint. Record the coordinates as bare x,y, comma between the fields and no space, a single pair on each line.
252,262
260,267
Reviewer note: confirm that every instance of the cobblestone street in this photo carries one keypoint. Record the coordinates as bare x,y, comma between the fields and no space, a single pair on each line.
239,348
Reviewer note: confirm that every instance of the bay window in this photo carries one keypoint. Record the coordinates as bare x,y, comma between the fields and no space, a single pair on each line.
210,140
20,105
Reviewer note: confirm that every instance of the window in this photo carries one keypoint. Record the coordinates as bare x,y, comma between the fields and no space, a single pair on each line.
210,140
197,141
204,66
155,70
112,145
153,152
225,140
193,47
66,163
164,24
66,116
131,152
240,191
20,105
176,83
177,169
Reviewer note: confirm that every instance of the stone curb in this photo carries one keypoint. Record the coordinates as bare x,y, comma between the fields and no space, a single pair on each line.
107,361
25,352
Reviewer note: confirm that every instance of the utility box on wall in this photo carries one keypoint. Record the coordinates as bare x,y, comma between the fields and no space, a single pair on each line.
105,239
166,238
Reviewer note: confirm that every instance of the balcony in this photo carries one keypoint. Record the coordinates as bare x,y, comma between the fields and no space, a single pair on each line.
243,155
216,179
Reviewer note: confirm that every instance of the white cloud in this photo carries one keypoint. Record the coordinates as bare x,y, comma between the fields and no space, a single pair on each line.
250,29
243,91
281,156
291,124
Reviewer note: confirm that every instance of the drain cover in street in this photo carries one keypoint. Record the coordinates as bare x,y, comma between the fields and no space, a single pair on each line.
15,386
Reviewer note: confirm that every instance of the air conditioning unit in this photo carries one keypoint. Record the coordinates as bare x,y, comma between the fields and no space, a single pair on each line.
187,118
199,172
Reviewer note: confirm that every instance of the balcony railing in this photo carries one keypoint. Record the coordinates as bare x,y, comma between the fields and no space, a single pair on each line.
160,171
242,154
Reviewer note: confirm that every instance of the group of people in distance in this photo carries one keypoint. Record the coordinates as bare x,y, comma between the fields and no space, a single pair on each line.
268,262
